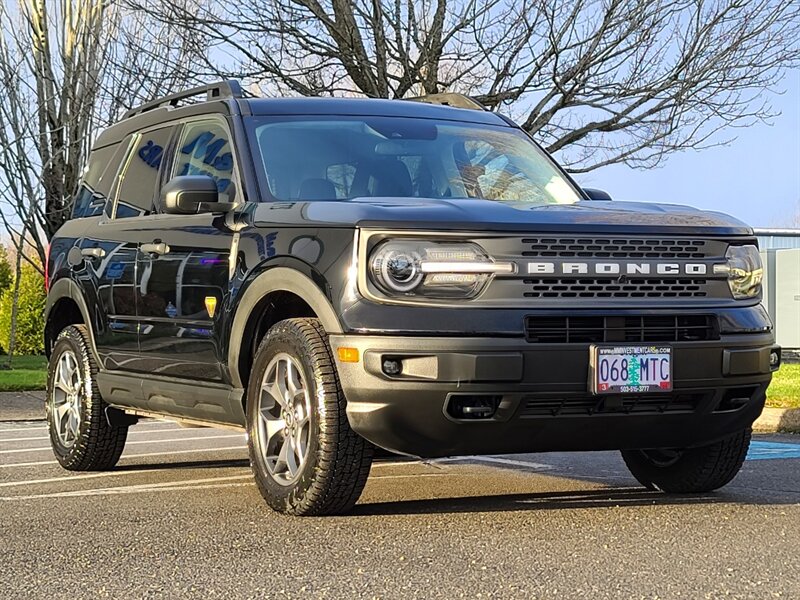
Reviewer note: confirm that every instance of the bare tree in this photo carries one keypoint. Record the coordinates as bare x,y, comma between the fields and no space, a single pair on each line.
794,220
68,67
598,81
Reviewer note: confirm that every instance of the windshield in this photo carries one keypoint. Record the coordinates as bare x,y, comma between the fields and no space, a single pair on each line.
339,158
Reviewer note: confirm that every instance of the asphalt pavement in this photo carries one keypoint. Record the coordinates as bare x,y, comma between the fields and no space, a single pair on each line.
180,517
21,406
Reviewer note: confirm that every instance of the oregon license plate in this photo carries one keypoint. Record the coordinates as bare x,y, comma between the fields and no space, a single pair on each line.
630,369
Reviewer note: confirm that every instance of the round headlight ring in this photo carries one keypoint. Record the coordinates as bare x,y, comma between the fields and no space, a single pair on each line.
400,270
396,269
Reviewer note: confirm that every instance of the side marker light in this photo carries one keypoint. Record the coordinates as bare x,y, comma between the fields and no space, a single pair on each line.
348,355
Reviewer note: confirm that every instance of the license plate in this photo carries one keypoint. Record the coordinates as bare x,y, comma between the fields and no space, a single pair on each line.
630,369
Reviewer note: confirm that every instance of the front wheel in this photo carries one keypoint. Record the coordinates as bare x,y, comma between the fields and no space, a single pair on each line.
305,457
693,470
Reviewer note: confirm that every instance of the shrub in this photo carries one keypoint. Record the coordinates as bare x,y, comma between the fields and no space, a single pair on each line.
29,338
6,272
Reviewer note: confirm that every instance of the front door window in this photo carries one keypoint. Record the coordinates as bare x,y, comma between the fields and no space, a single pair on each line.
205,149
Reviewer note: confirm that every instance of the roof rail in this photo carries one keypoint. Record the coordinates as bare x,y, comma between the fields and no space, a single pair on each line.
229,88
450,99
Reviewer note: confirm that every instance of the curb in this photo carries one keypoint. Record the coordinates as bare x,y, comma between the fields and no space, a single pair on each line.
778,420
22,406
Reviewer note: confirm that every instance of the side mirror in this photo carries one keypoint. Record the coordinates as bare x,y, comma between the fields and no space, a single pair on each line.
595,194
192,194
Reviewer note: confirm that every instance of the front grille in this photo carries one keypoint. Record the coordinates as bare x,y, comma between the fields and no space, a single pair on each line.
577,247
613,288
599,405
634,329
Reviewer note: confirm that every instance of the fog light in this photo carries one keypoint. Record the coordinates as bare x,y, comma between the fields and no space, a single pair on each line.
392,366
774,359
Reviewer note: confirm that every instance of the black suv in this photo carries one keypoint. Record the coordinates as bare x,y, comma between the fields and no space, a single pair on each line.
339,274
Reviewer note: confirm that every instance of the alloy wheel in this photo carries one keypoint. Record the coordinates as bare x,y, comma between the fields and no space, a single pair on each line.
284,419
66,398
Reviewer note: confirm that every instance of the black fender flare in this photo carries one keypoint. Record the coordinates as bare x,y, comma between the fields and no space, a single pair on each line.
277,279
66,288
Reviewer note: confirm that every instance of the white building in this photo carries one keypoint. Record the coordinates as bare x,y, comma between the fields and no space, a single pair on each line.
780,249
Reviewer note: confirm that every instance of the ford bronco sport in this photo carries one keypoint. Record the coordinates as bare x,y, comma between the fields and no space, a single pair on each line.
336,275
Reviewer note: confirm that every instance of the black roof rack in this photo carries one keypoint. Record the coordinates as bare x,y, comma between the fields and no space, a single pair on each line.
229,88
450,99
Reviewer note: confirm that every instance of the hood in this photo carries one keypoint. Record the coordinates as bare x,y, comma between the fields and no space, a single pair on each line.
485,215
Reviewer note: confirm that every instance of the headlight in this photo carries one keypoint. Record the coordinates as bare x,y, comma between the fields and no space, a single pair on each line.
744,271
433,269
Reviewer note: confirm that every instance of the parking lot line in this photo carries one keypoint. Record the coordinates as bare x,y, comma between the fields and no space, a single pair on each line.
43,427
126,456
498,461
14,429
403,464
127,489
145,490
132,432
77,477
772,450
40,463
409,475
139,471
189,484
189,439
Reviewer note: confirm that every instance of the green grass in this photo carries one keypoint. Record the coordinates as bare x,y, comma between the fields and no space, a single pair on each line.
30,373
27,373
784,391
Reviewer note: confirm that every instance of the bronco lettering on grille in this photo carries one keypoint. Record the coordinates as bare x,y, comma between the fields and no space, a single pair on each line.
615,268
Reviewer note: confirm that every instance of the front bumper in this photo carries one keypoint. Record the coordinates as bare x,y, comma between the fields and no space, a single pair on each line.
542,389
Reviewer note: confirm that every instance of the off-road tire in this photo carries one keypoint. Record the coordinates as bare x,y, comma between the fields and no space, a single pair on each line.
98,445
695,470
338,460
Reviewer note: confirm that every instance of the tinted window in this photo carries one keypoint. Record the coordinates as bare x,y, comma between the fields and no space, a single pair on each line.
97,180
204,149
137,190
339,158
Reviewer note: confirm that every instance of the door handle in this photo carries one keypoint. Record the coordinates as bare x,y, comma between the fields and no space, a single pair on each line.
159,248
93,252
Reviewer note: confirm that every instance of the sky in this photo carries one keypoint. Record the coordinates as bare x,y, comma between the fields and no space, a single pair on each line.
756,178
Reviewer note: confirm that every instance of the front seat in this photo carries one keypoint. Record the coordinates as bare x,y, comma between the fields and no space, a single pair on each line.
317,189
392,179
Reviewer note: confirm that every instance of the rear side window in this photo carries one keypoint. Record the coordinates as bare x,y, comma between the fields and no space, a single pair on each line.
97,180
137,190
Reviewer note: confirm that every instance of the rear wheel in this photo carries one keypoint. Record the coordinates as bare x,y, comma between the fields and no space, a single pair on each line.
693,470
80,434
305,457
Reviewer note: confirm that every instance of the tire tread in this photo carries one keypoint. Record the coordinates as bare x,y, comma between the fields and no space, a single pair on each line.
698,470
344,458
99,444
